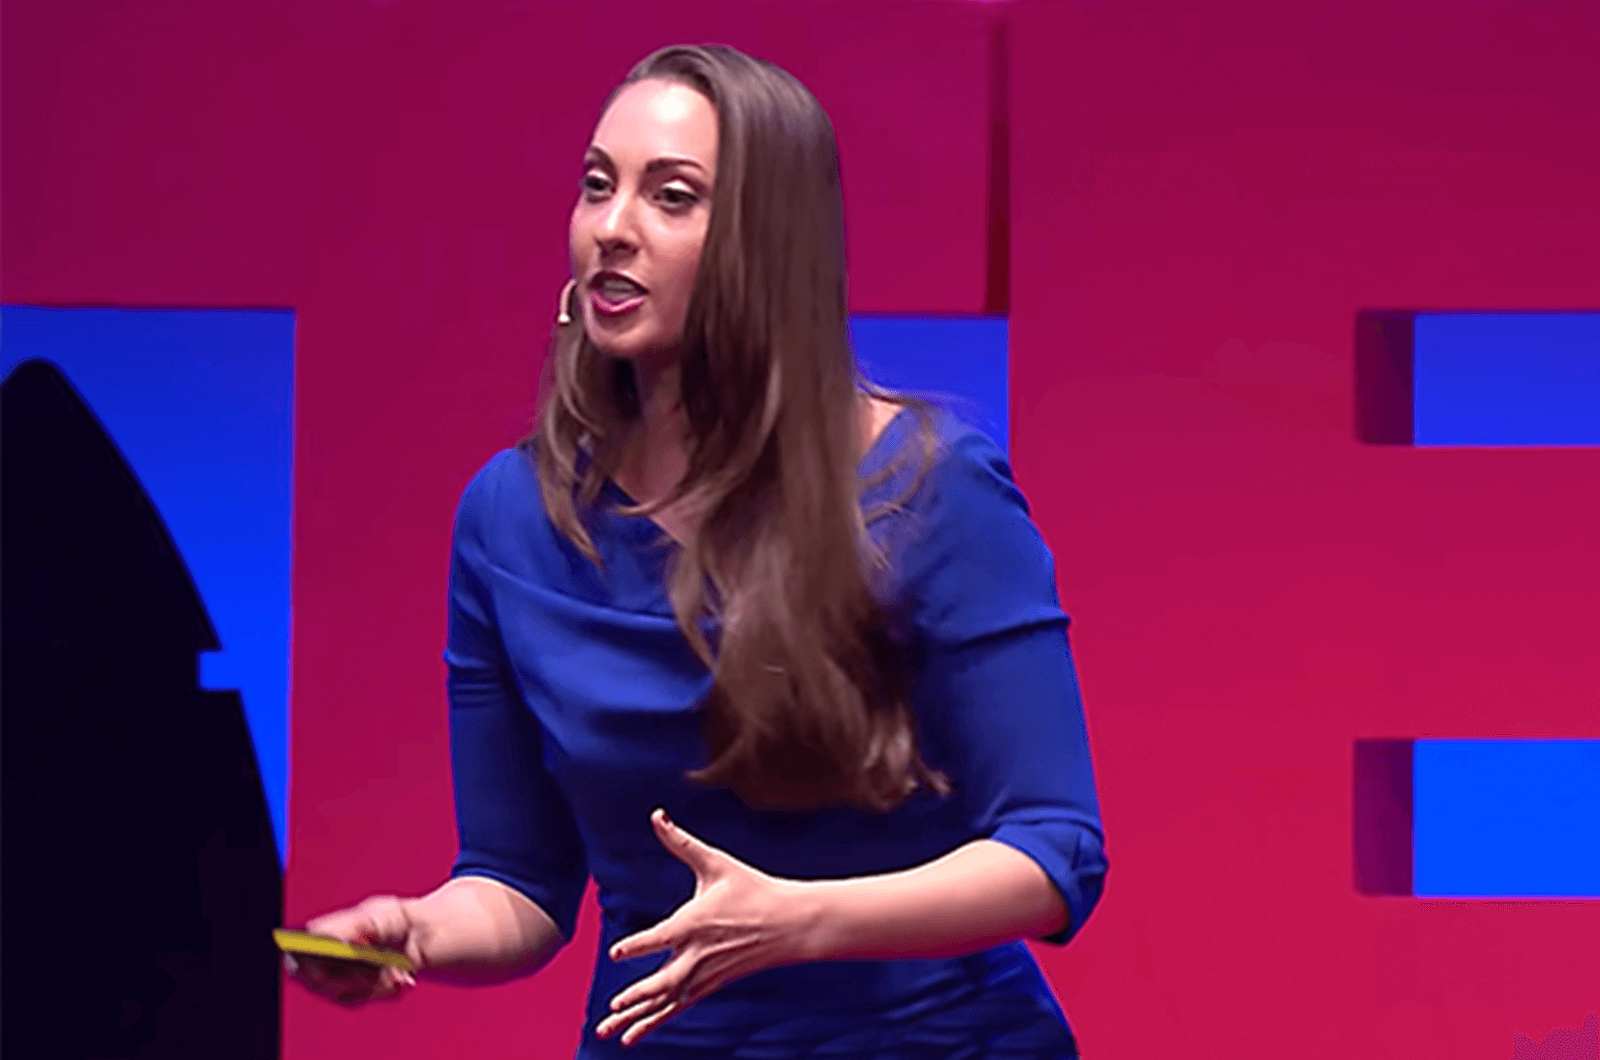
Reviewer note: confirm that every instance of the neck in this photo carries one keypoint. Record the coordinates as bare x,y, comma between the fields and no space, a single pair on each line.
656,453
660,399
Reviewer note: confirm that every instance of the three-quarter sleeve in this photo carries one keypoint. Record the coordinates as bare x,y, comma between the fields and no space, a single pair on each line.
513,822
997,680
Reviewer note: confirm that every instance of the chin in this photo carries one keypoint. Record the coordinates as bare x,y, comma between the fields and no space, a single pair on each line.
628,347
622,351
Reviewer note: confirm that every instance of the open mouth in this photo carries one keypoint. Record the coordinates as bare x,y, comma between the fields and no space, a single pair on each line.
614,294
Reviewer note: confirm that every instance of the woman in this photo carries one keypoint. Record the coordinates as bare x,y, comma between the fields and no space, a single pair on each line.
830,645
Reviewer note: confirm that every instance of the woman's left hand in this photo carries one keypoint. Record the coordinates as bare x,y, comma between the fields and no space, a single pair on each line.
739,921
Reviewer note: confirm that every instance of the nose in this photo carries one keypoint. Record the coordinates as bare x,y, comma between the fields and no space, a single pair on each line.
614,228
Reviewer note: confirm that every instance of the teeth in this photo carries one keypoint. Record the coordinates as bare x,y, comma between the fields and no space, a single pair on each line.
620,288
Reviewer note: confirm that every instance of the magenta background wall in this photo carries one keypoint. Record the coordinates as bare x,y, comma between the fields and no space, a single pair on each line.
1204,195
1200,198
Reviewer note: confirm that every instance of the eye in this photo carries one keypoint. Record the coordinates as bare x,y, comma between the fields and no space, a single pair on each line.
595,183
678,196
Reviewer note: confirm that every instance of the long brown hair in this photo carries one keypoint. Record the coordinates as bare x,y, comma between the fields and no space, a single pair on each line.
810,700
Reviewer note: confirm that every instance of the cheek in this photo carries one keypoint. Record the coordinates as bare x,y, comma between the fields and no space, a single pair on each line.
686,265
575,242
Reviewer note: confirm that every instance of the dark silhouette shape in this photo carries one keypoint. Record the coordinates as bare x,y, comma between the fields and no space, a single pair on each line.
1382,817
141,879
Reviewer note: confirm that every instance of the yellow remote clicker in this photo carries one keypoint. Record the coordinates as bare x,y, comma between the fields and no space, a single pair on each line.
303,942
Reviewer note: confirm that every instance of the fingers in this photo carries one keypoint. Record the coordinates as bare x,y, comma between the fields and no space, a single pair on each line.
348,982
379,921
653,1000
642,998
646,942
393,982
334,978
668,981
387,923
690,849
641,1017
676,834
617,1020
649,1013
650,1023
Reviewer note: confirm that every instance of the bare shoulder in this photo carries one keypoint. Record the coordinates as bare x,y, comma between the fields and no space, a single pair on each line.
876,414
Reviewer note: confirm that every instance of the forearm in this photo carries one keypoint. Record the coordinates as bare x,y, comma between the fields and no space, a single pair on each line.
979,895
476,931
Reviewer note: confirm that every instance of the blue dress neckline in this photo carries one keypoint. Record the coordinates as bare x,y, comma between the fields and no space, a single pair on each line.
573,696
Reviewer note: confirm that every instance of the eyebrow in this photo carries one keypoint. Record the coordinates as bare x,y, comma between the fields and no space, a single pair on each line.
664,162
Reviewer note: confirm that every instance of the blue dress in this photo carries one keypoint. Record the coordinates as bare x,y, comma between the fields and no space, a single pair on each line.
574,712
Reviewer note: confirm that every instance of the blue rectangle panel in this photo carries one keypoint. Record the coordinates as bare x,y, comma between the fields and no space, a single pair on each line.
200,404
1507,818
1507,379
959,361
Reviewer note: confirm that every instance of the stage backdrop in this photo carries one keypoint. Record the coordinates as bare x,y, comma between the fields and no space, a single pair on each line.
1208,199
398,176
1176,216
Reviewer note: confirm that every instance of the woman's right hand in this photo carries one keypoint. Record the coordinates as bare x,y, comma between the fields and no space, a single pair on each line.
382,920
